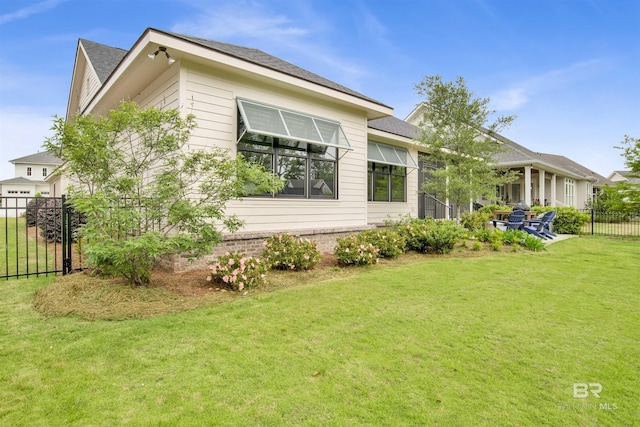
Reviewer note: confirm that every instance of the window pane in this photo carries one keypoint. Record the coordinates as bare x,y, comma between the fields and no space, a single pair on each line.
323,178
289,147
398,170
293,171
262,159
398,188
324,152
261,143
380,187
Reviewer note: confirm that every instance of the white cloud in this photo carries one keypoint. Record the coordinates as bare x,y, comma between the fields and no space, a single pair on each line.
520,93
26,12
241,19
510,99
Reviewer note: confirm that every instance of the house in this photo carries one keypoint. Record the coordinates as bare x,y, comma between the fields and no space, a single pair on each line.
545,179
624,176
31,174
309,130
347,163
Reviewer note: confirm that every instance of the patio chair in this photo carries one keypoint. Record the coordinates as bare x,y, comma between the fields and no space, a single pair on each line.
514,222
542,225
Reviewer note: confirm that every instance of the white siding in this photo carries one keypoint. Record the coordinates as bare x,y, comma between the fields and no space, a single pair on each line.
211,97
583,193
90,85
163,93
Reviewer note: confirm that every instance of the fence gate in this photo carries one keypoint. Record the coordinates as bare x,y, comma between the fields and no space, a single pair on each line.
37,237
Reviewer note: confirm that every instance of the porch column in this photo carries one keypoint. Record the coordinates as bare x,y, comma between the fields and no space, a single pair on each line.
541,194
553,189
527,185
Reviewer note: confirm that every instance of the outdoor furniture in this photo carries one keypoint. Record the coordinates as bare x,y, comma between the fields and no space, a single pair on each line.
515,221
500,215
542,226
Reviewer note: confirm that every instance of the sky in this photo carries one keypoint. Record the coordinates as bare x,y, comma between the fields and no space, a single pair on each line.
568,69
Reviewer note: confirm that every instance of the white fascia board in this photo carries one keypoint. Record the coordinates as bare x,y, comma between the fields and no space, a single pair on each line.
391,138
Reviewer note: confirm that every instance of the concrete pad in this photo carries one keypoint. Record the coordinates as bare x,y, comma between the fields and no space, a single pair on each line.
559,237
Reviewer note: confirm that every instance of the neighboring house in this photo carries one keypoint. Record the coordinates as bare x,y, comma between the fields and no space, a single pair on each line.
624,176
545,179
347,163
31,174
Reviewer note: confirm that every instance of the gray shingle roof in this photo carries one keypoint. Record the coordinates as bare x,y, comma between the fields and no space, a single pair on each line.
21,180
263,59
103,58
576,168
395,126
44,158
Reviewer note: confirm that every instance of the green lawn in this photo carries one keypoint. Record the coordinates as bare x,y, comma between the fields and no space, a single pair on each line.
20,252
450,341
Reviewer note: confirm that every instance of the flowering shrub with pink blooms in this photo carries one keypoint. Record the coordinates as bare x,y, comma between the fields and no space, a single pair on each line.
287,252
237,271
391,243
355,250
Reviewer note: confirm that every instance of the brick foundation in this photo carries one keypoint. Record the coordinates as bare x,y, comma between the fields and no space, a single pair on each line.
252,243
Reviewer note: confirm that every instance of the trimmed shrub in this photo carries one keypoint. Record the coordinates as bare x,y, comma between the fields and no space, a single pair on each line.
568,221
414,231
475,220
355,250
33,207
49,217
490,208
390,243
484,235
443,237
237,271
287,252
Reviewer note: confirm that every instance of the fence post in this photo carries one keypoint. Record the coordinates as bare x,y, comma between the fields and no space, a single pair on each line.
66,234
593,218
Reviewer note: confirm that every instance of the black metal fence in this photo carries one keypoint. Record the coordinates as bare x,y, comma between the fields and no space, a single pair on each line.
612,224
37,237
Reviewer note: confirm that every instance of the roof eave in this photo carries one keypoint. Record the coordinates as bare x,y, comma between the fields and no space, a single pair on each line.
181,47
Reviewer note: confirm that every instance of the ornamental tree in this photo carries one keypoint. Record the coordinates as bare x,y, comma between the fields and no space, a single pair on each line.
455,131
630,191
144,192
